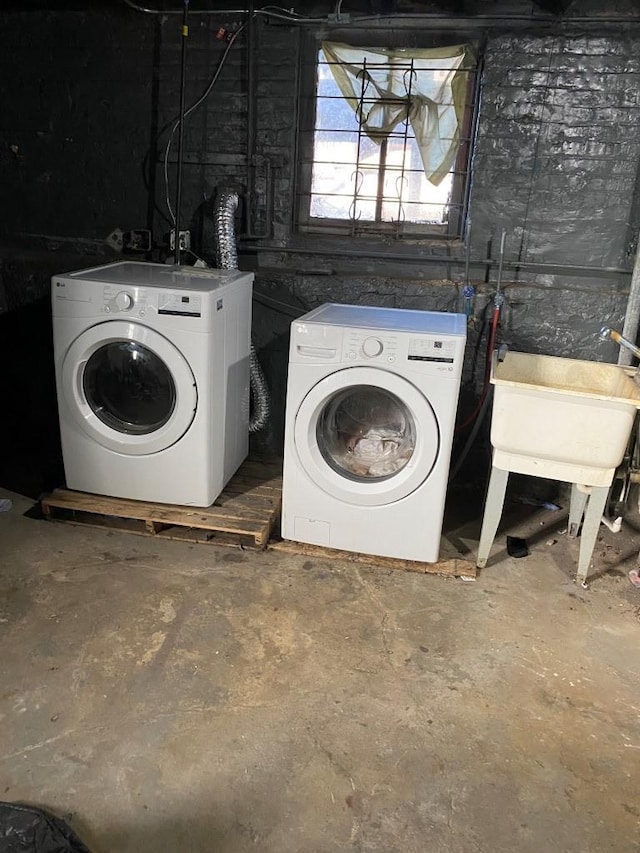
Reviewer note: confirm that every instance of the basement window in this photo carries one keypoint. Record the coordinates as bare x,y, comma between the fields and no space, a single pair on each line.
387,145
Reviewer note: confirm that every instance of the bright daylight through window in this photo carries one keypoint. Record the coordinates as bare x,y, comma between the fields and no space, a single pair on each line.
390,140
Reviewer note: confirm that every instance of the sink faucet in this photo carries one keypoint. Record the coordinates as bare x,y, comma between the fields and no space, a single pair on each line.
606,333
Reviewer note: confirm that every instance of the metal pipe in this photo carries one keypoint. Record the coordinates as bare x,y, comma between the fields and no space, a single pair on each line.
498,299
473,138
531,266
268,207
623,343
251,119
467,253
632,316
482,21
183,74
297,101
252,158
291,18
475,22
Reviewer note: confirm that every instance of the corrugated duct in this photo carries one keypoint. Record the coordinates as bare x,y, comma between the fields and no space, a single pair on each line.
227,259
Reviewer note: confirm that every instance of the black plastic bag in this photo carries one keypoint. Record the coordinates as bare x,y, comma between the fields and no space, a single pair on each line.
25,829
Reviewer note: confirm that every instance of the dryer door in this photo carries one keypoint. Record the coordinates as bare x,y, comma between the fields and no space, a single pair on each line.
129,388
366,436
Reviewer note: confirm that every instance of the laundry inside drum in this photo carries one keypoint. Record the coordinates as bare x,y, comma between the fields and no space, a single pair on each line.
366,433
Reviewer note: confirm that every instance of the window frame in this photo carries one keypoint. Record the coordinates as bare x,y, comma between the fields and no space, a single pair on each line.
307,225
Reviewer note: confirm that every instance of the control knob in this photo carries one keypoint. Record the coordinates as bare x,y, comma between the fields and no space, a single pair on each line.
124,300
372,347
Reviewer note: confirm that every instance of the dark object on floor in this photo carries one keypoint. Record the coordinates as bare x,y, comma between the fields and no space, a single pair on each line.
25,829
517,547
35,512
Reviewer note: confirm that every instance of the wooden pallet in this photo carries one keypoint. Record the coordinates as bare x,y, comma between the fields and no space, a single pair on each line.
449,563
244,514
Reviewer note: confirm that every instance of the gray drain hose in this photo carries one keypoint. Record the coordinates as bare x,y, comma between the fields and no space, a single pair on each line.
227,259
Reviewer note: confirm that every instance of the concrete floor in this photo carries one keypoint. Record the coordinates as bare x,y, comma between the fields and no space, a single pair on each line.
167,697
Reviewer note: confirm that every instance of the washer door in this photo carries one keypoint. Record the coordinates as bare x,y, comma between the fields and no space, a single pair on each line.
129,388
366,436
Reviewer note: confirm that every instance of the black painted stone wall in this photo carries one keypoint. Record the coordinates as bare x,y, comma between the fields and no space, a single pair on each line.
76,122
82,148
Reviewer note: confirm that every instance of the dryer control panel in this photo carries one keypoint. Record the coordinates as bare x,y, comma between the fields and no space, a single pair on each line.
137,300
180,304
117,300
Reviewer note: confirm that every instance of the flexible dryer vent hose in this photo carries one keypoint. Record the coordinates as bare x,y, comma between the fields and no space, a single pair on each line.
227,259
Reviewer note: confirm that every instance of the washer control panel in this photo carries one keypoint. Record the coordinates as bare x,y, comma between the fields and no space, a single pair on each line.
435,354
432,350
432,354
361,345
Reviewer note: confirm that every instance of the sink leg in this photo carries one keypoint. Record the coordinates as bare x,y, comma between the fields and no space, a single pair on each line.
576,509
492,512
590,527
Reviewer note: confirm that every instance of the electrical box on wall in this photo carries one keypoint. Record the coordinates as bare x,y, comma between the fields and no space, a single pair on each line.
185,240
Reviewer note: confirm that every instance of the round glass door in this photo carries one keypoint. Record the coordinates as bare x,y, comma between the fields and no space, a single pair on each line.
366,436
366,433
129,388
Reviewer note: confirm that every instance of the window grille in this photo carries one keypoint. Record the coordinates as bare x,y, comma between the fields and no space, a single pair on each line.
364,168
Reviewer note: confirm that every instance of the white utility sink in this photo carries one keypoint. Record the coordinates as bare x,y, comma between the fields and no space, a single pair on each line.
561,418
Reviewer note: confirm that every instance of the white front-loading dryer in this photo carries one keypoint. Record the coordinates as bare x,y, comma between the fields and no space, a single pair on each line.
152,375
371,403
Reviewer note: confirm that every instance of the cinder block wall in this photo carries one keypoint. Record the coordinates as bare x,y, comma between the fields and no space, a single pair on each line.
555,166
77,119
557,155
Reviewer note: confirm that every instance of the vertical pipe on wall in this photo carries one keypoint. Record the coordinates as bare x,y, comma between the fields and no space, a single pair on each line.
299,65
632,316
251,120
463,219
253,159
152,157
183,72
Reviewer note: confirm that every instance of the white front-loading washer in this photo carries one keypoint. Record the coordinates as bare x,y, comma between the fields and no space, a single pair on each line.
152,376
371,404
